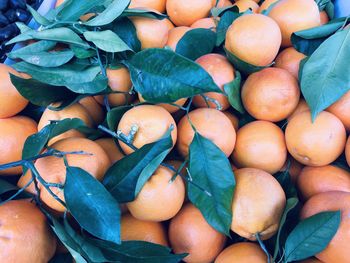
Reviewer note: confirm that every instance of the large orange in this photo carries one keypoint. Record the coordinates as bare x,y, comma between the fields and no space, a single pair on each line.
175,34
341,108
210,123
190,233
315,180
295,15
158,5
135,229
318,143
347,151
94,109
338,249
110,147
25,235
258,204
160,198
221,3
11,101
207,23
233,118
289,59
294,168
301,107
13,133
244,5
244,39
265,5
311,260
324,17
271,94
152,122
222,72
170,108
260,144
242,252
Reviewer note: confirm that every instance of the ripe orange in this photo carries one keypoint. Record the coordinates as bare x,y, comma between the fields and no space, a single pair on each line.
13,133
234,120
221,3
170,108
243,39
295,15
222,72
271,94
289,59
73,111
301,107
175,35
347,151
311,260
110,147
185,13
11,101
208,23
25,235
244,5
242,252
158,5
261,145
118,80
190,233
324,17
53,170
258,204
210,123
338,249
160,199
341,108
315,180
135,229
152,122
265,5
94,109
318,143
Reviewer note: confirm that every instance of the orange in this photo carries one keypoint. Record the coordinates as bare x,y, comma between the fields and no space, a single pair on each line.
347,151
119,81
341,109
25,234
294,168
175,35
222,72
295,15
160,199
289,59
311,260
271,94
190,233
233,118
59,2
135,229
221,3
170,108
53,170
73,111
324,17
301,107
11,101
13,133
152,122
258,204
208,23
244,5
261,145
244,39
318,143
265,5
94,109
158,5
242,252
315,180
185,13
110,147
210,123
152,33
338,249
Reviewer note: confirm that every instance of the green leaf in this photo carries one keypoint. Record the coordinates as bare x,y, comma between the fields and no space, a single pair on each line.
224,23
115,115
39,46
221,11
37,17
330,10
325,79
106,40
126,177
322,4
126,30
83,53
143,13
113,11
210,168
163,76
98,84
92,205
267,11
311,235
233,91
76,8
196,43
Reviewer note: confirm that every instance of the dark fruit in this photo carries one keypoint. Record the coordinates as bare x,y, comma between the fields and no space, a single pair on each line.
18,4
8,32
3,4
3,20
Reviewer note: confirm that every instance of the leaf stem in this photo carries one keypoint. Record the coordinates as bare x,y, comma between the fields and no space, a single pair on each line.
118,136
18,192
263,247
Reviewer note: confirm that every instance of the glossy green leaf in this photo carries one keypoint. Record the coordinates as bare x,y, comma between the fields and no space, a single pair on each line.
311,236
233,91
322,4
211,170
98,84
143,13
106,40
325,79
39,46
115,115
76,8
221,11
37,17
82,53
126,30
224,23
267,11
163,76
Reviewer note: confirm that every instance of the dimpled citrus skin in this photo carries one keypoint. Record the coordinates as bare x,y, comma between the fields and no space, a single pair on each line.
301,107
210,123
25,235
311,260
160,199
13,133
289,59
318,143
244,5
242,252
111,148
221,3
152,122
338,249
341,108
207,23
261,145
94,109
175,34
258,204
158,5
271,94
254,38
295,15
190,233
